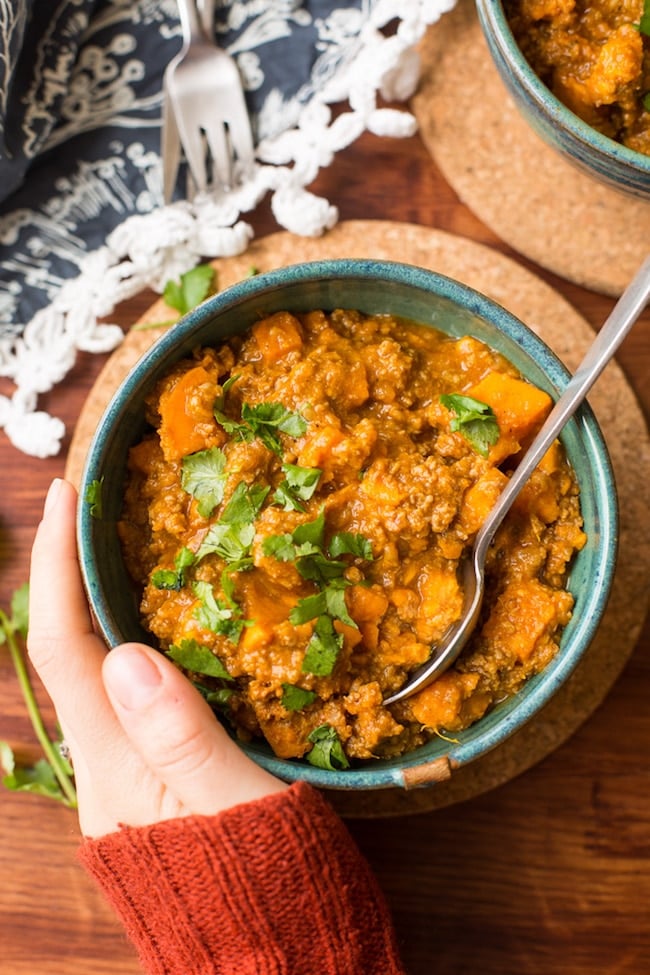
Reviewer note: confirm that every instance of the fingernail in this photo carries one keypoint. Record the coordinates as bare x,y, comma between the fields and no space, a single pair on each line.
53,493
131,677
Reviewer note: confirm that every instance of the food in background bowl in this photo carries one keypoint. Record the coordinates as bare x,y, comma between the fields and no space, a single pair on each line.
374,288
594,57
296,517
572,61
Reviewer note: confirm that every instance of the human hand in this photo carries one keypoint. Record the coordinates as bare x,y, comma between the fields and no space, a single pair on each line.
144,744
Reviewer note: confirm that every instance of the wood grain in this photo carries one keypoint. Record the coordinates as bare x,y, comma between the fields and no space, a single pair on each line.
550,872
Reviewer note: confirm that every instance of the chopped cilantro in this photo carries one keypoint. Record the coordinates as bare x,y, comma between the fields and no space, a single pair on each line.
193,287
644,24
231,537
216,698
305,547
327,751
349,543
193,656
299,485
263,422
174,578
323,648
218,615
203,475
296,698
93,497
474,419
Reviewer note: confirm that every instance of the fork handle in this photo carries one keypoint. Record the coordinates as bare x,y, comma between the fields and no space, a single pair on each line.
206,14
190,23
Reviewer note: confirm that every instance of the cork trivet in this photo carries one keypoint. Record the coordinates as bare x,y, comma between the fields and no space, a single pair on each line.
533,198
623,424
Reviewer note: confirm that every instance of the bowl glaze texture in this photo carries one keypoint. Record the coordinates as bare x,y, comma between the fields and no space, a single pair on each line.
371,287
594,153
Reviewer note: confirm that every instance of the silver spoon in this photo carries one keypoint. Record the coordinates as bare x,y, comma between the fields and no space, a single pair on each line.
620,321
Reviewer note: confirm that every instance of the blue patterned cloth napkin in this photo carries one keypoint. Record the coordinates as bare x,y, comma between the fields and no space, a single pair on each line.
80,170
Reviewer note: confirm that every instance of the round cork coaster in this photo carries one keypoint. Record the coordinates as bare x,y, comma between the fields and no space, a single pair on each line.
614,403
529,195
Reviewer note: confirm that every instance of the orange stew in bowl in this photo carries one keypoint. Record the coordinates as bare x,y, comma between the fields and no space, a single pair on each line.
296,516
594,57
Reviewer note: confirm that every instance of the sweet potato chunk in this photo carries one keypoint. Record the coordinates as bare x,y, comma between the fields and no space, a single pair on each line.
276,336
187,423
519,407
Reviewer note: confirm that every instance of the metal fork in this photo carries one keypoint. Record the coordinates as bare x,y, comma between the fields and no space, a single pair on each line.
204,109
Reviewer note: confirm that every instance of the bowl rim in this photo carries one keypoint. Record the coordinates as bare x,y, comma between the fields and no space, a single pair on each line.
379,774
492,13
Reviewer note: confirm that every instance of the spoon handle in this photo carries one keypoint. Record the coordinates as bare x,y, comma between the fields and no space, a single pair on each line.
618,324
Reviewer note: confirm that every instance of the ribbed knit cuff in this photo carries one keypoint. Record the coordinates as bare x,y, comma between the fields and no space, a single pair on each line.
272,887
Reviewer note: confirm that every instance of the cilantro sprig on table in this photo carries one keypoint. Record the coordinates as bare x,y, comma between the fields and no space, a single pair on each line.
192,288
51,775
474,419
184,294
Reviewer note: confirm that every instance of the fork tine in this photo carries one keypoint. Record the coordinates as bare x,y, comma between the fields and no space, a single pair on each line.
241,134
194,148
170,147
220,150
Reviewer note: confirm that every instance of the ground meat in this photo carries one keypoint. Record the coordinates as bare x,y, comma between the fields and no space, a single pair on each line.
594,58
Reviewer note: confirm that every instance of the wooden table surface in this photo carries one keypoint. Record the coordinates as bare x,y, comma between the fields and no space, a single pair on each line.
548,873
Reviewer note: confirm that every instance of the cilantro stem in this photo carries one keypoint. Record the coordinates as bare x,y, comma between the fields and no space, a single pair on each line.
50,750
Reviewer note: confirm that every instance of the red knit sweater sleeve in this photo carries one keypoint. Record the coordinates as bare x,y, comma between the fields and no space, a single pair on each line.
272,887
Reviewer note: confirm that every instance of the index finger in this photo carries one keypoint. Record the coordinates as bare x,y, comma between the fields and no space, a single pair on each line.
58,611
61,642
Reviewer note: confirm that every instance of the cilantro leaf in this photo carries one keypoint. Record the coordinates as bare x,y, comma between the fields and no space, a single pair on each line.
644,24
327,751
323,648
298,485
51,775
231,537
174,578
349,543
203,475
38,778
245,504
93,497
193,287
219,616
193,656
474,419
296,698
263,421
20,610
218,697
308,608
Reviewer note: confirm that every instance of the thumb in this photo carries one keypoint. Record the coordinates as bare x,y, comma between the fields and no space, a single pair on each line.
177,735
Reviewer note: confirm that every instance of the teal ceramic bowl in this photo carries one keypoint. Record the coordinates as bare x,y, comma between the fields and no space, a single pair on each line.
594,153
371,287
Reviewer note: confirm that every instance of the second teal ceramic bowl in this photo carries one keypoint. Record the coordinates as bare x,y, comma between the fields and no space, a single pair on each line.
594,153
371,287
